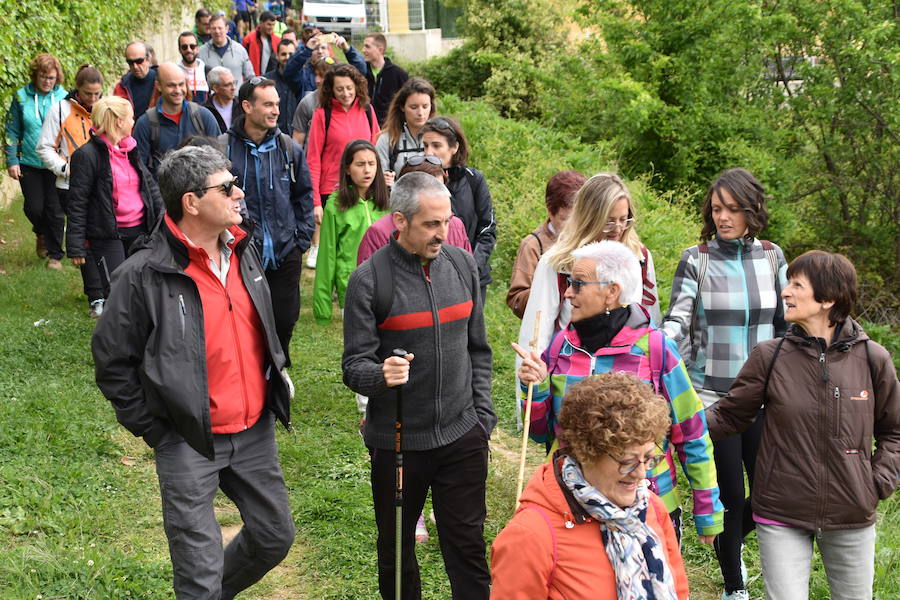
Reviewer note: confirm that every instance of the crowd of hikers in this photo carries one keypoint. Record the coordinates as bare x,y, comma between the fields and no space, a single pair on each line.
188,198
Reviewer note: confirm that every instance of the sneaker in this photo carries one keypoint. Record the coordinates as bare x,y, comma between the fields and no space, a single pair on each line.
54,264
421,530
96,308
736,595
311,257
39,247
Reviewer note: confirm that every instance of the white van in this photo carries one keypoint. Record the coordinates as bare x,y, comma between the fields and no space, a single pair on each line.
346,17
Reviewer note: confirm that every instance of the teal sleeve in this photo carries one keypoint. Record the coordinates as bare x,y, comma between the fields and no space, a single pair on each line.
13,132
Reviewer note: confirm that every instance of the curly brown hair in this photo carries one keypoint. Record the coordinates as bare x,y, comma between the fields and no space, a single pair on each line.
609,413
326,92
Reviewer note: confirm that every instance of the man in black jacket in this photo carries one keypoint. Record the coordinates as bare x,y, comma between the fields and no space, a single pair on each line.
274,175
187,353
287,99
384,77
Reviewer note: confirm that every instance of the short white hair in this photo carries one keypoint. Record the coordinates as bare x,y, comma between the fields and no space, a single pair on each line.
615,263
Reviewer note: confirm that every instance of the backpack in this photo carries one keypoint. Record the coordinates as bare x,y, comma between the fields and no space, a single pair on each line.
327,110
395,152
193,110
73,130
703,264
383,271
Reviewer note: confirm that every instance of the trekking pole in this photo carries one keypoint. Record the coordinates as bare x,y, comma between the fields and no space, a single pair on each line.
398,490
526,425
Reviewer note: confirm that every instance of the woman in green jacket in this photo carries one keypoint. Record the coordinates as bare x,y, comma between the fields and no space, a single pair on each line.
360,199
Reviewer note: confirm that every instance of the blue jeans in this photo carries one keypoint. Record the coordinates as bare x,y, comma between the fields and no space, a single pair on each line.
786,557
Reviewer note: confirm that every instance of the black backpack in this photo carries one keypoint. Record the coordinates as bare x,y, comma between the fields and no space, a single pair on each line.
327,110
156,155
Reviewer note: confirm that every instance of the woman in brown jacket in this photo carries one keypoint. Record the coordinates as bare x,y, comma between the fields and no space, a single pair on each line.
827,390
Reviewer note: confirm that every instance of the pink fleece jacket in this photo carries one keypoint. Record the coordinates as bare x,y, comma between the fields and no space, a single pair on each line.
345,126
127,201
379,233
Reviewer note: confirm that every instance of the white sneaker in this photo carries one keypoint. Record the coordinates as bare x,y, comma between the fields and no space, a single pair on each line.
96,308
311,257
736,595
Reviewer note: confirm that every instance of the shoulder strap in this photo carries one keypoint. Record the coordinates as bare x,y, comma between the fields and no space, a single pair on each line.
772,366
394,153
552,539
450,250
656,345
327,110
769,249
540,243
153,121
871,369
196,120
383,272
288,149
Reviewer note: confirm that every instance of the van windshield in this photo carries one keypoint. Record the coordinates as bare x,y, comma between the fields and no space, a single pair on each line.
333,1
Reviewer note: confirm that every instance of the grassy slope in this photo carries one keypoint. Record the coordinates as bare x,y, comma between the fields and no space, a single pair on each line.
79,506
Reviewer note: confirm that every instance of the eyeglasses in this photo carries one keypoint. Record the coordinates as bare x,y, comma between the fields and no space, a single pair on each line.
625,224
226,187
415,161
135,61
47,77
627,466
577,284
229,84
188,46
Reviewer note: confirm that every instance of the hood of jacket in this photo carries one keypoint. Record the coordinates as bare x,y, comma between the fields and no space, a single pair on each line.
636,327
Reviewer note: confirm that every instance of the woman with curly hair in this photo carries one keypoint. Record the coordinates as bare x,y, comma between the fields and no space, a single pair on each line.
344,114
588,527
610,331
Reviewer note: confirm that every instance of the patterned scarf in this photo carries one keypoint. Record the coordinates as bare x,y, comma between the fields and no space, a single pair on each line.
636,553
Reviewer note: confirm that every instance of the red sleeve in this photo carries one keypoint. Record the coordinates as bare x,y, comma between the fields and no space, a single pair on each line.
522,559
314,152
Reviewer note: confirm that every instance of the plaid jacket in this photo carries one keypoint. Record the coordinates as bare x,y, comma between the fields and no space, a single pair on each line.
567,363
739,306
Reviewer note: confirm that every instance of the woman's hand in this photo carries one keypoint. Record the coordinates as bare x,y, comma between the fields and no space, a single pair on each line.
707,539
317,213
533,369
77,260
14,171
389,178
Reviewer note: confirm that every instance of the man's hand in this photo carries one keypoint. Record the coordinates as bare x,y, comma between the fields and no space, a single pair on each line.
14,171
318,211
396,370
707,539
341,42
533,369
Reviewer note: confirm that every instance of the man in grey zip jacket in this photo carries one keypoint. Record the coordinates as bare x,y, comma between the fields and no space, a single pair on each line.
436,316
186,351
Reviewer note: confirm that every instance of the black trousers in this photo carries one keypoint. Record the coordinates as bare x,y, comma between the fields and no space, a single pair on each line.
42,207
284,285
109,254
456,474
90,274
732,455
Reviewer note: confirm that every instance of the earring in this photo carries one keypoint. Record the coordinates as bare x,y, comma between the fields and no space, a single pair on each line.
607,311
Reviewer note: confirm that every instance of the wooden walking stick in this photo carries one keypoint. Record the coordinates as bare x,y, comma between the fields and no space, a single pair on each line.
527,421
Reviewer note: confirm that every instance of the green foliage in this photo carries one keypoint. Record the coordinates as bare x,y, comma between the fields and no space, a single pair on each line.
74,31
456,73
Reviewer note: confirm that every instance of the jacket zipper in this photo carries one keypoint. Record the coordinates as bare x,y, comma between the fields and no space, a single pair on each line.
823,441
437,353
183,314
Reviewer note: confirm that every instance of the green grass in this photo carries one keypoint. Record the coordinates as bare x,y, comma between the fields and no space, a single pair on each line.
79,503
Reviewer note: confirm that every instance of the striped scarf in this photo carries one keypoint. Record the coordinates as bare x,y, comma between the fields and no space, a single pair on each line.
636,553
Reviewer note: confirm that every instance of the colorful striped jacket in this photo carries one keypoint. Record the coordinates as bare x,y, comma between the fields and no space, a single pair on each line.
739,306
629,351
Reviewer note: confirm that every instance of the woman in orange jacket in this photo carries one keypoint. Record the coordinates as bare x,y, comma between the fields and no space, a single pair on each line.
587,526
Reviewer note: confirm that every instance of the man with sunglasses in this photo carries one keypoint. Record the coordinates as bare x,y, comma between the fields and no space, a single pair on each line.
136,85
187,353
278,188
193,67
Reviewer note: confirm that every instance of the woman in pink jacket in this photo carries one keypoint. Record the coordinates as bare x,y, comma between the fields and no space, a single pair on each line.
344,114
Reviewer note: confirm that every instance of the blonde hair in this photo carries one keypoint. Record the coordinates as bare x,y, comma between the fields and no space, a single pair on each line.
106,110
590,213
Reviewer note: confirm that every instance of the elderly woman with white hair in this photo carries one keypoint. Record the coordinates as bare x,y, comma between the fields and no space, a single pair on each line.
608,331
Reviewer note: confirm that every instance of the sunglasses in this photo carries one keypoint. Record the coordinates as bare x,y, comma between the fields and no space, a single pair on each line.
577,284
226,187
135,61
415,161
188,46
440,123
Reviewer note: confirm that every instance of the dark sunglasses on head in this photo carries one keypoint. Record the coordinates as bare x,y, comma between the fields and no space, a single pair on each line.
415,161
188,46
226,187
440,123
135,61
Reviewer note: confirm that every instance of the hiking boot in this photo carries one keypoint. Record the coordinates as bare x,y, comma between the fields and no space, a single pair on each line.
311,257
54,264
96,308
39,247
421,530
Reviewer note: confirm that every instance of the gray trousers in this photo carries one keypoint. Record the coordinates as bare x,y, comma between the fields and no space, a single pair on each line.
786,556
246,468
